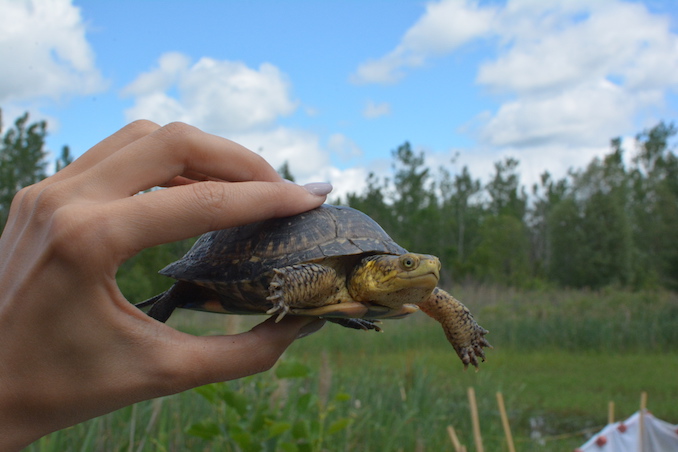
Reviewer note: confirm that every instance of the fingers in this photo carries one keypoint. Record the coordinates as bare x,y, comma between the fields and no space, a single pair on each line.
184,211
203,360
123,137
175,150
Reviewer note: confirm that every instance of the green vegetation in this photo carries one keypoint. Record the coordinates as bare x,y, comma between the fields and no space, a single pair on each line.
559,357
574,282
611,223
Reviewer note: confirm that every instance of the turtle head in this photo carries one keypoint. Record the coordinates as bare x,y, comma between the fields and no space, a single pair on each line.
392,281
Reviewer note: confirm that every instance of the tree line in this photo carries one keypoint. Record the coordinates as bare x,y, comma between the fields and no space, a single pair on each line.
611,223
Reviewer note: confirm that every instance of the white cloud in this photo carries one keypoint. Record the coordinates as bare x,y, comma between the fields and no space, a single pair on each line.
344,181
307,160
300,149
171,67
592,42
582,115
223,97
230,99
571,73
444,27
374,110
44,52
584,77
342,146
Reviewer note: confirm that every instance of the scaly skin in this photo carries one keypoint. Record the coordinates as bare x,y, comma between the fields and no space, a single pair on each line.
465,335
302,285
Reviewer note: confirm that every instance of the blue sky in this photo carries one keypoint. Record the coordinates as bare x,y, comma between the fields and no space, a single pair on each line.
332,87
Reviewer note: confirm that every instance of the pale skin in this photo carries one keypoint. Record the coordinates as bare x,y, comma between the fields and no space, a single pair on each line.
73,347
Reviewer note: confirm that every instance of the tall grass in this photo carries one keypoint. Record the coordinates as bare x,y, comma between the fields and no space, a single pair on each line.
559,357
606,321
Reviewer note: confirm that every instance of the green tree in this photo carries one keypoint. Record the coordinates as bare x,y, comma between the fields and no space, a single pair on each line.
502,255
591,230
460,219
507,197
545,196
373,201
64,159
285,171
655,195
567,250
22,159
414,202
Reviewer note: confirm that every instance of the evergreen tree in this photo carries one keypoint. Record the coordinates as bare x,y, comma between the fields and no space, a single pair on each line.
592,241
64,159
373,202
655,195
507,197
414,201
285,171
546,196
22,159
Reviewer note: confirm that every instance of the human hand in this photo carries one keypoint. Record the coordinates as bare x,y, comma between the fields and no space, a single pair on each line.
73,347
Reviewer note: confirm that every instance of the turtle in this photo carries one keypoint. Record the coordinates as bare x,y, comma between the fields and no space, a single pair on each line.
333,262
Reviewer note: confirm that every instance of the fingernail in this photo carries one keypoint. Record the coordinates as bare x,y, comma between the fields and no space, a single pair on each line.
311,328
318,188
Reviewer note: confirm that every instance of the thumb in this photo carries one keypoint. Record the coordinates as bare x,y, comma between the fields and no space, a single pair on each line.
210,359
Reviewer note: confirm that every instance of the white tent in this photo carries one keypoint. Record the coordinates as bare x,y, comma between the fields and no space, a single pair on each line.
624,436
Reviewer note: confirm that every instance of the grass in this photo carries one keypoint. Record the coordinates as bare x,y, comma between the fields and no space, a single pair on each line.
558,359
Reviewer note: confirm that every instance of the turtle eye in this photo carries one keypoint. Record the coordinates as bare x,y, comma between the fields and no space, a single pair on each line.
408,262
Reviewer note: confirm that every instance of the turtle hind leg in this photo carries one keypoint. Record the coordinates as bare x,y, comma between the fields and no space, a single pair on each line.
356,324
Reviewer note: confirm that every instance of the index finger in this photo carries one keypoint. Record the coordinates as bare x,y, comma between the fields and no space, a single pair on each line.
171,151
106,147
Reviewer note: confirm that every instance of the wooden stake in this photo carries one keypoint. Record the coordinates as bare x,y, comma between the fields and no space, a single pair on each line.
610,412
476,421
505,422
641,421
453,437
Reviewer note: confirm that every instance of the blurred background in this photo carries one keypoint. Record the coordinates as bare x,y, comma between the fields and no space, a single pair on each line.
530,145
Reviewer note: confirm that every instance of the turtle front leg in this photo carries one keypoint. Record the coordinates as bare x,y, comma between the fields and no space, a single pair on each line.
301,286
465,335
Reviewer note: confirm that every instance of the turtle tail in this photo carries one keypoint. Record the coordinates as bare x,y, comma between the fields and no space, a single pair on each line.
164,304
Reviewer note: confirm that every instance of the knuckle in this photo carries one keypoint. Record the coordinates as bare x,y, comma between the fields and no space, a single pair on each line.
49,198
179,140
141,127
75,232
39,201
23,197
177,132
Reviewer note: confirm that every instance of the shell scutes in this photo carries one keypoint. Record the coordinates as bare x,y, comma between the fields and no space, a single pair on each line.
243,252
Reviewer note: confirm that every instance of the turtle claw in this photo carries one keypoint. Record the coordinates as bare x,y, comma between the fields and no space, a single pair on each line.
279,306
472,353
277,297
280,316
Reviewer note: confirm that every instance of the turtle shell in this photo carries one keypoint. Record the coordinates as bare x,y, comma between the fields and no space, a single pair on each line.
245,252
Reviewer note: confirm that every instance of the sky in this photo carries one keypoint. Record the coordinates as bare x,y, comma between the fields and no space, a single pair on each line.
333,87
